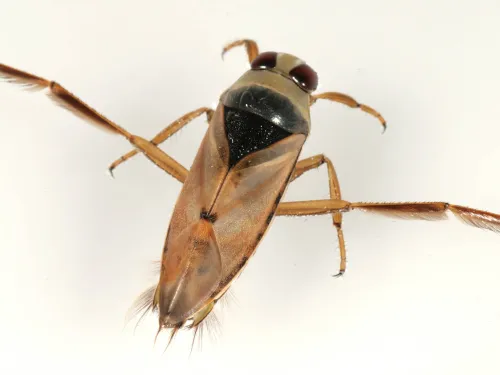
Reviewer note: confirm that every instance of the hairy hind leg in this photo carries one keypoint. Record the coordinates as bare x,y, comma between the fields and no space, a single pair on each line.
67,100
430,211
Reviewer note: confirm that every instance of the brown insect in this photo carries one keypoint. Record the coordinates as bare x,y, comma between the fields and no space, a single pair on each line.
233,190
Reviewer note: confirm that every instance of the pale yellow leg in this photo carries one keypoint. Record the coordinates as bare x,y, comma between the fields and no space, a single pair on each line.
167,132
349,101
312,163
250,45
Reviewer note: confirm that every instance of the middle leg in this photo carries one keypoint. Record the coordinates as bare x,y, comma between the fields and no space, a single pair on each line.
166,133
250,45
315,162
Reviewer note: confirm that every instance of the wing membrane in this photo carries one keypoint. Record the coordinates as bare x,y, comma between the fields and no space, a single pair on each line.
248,199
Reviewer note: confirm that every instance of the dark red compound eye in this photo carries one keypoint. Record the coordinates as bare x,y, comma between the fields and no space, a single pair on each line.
266,60
305,77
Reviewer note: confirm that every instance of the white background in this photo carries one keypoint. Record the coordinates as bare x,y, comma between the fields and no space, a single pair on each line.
76,247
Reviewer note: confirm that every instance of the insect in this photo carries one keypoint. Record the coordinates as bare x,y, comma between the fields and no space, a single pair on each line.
234,188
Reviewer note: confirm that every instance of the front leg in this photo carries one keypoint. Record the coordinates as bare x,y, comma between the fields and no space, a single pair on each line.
350,102
250,45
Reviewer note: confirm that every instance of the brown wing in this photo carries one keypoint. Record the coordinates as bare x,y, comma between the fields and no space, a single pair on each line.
192,272
191,262
205,177
247,201
219,218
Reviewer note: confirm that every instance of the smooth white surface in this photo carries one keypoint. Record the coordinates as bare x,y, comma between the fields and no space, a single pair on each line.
76,247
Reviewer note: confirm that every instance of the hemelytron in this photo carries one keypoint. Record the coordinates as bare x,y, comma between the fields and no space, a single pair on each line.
234,188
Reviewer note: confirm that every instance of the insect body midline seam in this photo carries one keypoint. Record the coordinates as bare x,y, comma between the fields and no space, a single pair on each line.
238,179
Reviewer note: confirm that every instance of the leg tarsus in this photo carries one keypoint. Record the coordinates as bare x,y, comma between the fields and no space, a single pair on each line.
349,101
334,186
340,235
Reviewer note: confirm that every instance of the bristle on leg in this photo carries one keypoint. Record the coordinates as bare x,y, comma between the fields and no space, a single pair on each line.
25,80
477,218
432,211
